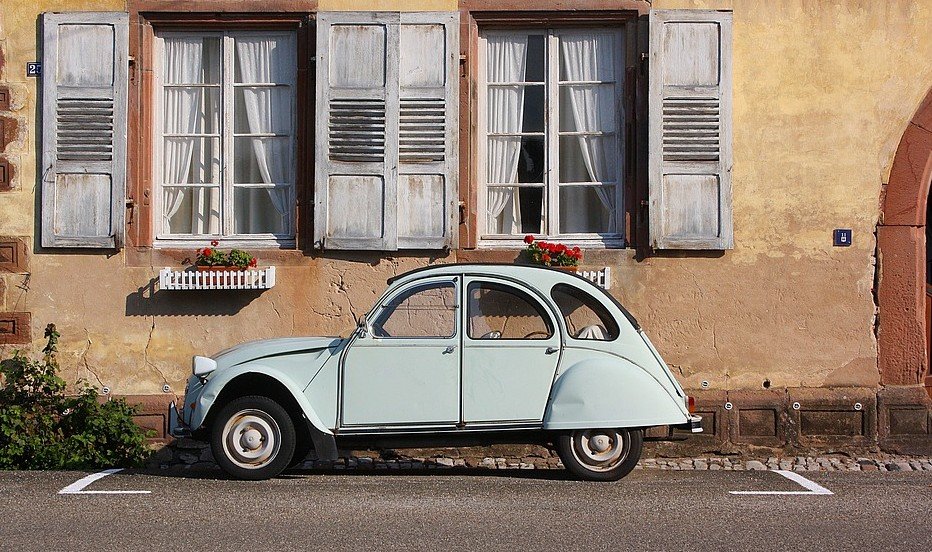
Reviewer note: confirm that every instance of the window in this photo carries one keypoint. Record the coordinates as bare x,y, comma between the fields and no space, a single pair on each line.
225,136
552,147
584,315
502,312
424,311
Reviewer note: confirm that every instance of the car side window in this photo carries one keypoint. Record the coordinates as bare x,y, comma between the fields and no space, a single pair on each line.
428,310
585,316
497,311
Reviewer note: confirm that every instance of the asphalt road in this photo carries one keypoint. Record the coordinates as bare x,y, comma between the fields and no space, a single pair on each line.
472,510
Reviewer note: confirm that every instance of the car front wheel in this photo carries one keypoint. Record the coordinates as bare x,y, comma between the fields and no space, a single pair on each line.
253,438
600,454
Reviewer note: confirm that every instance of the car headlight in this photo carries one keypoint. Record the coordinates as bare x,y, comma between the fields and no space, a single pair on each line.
201,366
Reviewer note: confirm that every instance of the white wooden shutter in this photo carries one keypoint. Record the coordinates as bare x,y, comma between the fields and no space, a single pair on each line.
84,97
690,129
386,121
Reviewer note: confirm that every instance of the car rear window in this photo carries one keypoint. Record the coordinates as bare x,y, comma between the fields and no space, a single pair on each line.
585,316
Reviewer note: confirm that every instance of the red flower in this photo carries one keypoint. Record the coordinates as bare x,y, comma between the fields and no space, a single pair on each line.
214,243
529,239
208,252
561,248
577,251
253,262
545,257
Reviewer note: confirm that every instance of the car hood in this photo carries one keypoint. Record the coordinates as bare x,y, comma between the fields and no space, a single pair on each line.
254,350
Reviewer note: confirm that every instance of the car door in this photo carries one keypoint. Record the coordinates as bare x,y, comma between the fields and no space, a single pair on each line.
406,370
511,347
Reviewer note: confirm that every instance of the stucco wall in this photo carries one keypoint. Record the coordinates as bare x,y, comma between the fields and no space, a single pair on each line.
822,93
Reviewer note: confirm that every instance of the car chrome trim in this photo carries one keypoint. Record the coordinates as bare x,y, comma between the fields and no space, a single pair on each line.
693,425
473,427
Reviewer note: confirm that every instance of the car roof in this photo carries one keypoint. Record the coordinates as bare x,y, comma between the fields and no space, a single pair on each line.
543,277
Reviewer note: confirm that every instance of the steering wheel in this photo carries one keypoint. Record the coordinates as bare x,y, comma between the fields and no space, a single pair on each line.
537,333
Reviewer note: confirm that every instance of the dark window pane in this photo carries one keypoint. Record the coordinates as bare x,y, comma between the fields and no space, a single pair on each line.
531,160
535,59
533,119
532,205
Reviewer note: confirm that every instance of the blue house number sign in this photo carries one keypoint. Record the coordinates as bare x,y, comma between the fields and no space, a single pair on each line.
841,237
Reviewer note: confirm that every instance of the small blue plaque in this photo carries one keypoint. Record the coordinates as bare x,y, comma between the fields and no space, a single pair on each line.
33,68
841,237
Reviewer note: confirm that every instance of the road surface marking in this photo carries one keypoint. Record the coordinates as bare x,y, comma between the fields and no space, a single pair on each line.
814,488
78,486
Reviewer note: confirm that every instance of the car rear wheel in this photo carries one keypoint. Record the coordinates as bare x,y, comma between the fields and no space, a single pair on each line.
253,438
600,454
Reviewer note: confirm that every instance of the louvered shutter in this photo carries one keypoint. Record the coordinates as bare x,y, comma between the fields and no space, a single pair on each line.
386,156
84,98
690,129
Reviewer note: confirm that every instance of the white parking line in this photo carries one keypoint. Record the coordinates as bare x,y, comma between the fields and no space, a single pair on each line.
814,488
78,486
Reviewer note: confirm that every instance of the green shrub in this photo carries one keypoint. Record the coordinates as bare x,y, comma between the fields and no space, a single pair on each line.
43,428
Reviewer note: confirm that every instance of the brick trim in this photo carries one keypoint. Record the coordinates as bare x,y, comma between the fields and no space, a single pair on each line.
15,328
13,254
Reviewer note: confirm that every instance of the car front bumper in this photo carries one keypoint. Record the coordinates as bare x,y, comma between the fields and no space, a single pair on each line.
176,426
693,425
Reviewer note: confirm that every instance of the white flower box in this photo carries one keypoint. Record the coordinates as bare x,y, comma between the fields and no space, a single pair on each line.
601,277
251,278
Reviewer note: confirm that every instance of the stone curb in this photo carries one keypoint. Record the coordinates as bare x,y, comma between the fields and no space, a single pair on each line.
189,453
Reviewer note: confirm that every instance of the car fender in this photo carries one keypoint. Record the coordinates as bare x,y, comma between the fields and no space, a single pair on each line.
610,393
216,384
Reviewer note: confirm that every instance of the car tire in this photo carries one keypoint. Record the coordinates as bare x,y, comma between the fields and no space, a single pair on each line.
600,454
253,438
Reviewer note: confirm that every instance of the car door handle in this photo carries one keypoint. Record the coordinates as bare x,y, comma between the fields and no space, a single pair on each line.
551,350
449,349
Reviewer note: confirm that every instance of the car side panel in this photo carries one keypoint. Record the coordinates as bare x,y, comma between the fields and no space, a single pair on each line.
609,392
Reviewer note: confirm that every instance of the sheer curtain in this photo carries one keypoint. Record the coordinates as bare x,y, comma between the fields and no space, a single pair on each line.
257,59
507,62
183,64
590,57
189,160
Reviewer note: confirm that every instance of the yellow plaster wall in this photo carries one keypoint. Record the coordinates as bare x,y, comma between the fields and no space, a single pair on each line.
822,93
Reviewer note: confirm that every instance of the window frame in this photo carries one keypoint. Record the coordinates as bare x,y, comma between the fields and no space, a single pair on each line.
227,134
552,186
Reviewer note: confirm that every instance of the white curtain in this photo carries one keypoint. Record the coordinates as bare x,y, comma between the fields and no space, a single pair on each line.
507,62
268,110
186,110
590,57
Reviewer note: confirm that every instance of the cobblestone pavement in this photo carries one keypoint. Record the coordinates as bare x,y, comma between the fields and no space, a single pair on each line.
187,452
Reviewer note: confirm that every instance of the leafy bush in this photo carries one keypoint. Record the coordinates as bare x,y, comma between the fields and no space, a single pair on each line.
43,428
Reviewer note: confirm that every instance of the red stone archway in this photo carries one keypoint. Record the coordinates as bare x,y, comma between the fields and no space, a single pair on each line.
901,255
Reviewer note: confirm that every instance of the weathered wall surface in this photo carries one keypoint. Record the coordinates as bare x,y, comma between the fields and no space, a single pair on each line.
822,94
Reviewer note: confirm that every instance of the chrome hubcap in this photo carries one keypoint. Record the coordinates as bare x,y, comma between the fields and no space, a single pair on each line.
601,449
251,438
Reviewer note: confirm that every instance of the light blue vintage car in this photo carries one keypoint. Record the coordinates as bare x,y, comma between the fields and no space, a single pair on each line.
453,354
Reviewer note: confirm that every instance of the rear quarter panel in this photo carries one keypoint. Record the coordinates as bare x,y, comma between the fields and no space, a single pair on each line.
598,390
